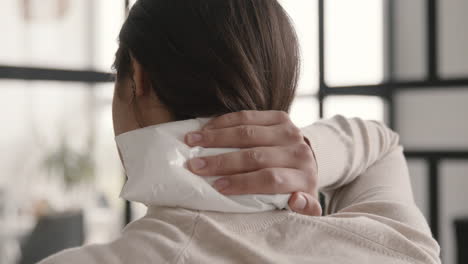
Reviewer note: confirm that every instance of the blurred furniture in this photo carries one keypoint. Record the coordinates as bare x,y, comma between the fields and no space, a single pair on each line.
52,234
461,230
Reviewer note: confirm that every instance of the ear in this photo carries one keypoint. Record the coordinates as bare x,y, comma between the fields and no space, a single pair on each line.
140,77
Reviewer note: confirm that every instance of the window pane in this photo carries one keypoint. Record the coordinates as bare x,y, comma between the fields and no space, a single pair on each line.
354,42
46,33
419,175
304,15
453,204
60,149
109,19
366,107
410,39
304,111
453,38
60,33
433,119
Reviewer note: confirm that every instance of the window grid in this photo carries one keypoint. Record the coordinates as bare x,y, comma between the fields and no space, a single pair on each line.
385,90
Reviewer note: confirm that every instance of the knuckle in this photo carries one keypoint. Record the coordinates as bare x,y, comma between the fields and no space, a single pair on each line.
244,116
255,156
302,151
294,133
218,163
246,132
228,118
283,116
274,179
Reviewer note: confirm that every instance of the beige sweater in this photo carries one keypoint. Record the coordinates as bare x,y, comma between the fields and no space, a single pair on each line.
371,215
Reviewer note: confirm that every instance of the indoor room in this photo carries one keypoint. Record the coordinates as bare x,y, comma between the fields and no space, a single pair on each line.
401,63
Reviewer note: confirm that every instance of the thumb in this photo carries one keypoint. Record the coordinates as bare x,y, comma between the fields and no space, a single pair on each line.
304,203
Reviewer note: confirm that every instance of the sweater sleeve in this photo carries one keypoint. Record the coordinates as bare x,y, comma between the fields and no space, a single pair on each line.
352,151
362,172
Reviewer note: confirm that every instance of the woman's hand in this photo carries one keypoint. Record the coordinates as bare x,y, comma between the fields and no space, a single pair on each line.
275,157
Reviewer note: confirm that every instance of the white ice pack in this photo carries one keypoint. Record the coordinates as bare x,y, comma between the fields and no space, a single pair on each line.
155,163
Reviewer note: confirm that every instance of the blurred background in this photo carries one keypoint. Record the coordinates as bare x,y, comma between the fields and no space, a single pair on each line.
401,62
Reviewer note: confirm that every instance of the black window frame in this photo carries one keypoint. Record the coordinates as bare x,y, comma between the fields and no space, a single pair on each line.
391,86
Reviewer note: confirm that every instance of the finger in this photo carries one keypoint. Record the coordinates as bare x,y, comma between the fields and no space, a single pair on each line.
306,204
258,118
295,156
245,136
266,181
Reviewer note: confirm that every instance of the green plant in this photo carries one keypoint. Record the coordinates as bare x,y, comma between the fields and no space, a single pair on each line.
75,167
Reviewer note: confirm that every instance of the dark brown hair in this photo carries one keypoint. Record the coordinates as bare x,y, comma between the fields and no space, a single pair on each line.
210,57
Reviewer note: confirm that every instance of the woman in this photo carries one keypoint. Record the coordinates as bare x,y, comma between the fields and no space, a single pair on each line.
182,60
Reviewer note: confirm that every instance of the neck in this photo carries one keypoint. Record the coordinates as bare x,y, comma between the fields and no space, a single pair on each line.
155,158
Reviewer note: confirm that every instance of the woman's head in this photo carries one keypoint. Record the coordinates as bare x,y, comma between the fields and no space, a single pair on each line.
180,59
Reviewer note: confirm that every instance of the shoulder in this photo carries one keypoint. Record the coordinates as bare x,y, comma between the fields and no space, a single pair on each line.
150,239
123,250
390,226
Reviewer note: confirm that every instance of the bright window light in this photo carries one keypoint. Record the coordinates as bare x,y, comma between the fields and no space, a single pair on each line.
365,107
109,16
354,47
304,111
304,16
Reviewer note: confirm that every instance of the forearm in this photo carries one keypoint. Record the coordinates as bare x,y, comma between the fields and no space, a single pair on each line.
346,148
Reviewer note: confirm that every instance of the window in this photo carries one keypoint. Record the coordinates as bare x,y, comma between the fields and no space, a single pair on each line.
432,119
354,48
354,55
365,107
402,62
304,111
303,14
453,40
40,32
62,152
60,149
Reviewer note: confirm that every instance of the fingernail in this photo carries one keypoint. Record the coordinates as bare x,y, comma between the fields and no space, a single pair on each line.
221,184
194,138
197,164
300,202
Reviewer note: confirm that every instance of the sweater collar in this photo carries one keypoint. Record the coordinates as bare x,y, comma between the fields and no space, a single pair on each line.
155,163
